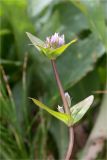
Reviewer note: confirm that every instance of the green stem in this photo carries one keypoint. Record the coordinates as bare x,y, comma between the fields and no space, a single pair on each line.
67,110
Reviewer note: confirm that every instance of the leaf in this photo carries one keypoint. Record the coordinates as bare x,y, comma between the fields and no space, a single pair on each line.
4,32
45,51
79,110
36,7
56,52
14,18
94,12
67,119
36,41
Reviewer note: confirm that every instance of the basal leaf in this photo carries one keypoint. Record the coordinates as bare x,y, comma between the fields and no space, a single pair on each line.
67,119
79,110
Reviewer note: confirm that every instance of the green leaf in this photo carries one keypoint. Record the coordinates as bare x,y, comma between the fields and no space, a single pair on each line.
45,51
67,119
79,110
4,32
56,52
14,18
94,12
36,7
36,41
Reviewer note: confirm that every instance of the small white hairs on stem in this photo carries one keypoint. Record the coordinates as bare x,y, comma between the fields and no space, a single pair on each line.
60,109
68,98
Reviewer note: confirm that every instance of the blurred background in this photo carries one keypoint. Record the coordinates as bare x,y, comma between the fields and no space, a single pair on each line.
27,132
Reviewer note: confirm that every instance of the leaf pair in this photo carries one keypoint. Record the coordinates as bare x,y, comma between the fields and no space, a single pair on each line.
49,52
77,111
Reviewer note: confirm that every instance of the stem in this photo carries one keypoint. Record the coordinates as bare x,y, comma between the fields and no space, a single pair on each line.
70,145
67,110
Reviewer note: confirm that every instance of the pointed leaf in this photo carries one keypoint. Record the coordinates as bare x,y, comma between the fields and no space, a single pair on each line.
45,51
79,110
54,53
60,50
36,41
67,119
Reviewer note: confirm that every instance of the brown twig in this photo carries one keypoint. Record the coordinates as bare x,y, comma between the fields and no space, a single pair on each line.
24,71
0,89
67,110
24,93
100,92
7,86
6,82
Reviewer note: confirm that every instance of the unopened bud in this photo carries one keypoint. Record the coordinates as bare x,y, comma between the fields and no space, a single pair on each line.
68,99
60,109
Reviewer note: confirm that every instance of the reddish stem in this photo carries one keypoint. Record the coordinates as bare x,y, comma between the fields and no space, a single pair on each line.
67,110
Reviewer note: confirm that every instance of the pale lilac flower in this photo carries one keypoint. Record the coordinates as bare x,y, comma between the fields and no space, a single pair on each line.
61,40
60,109
55,41
48,39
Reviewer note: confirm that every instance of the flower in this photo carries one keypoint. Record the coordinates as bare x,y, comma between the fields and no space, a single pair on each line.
55,41
60,109
53,46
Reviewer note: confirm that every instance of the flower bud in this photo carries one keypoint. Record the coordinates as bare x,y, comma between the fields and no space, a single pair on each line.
60,109
68,98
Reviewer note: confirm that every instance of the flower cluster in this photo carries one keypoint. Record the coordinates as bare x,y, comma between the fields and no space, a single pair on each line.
55,41
52,47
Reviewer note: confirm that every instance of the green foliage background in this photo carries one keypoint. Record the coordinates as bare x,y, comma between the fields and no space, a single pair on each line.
25,131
